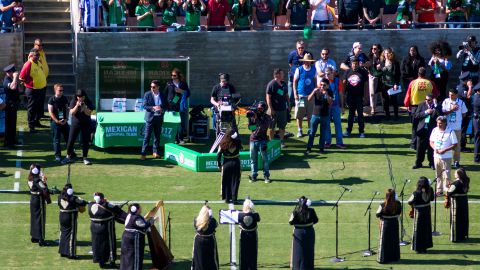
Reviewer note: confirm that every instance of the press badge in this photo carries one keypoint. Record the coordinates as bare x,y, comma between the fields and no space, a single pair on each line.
175,99
280,92
60,115
301,103
438,144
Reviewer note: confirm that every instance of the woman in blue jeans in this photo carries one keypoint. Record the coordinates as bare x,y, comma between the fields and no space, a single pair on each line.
323,98
336,110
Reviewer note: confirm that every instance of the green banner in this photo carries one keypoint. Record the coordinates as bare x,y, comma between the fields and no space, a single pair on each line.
161,71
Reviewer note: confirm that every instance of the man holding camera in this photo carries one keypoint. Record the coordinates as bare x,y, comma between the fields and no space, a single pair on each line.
469,54
259,122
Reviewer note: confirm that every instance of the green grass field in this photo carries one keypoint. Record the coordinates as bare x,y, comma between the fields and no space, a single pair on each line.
122,176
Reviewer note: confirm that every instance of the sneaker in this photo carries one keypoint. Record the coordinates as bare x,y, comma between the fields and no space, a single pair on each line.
267,180
346,134
414,167
155,155
58,159
457,165
327,145
282,145
87,162
362,135
181,142
66,160
309,150
341,146
299,134
252,179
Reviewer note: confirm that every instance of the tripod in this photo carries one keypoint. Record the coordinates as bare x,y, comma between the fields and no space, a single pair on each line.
402,235
369,251
435,233
335,206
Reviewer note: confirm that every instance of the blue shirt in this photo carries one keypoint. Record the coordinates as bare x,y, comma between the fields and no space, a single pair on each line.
6,17
306,81
336,94
293,59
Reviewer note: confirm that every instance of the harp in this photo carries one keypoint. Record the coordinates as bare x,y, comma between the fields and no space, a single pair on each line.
160,253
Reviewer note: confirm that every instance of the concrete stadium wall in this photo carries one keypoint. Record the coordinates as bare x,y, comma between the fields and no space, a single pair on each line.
249,57
11,45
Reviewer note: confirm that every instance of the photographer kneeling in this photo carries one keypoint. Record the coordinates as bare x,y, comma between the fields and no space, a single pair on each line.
258,123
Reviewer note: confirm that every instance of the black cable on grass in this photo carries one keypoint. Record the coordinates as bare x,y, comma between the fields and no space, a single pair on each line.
387,156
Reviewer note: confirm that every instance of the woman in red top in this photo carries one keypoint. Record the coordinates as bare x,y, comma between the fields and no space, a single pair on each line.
425,10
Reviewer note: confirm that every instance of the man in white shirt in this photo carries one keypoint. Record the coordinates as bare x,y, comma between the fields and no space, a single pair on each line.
454,109
442,140
323,63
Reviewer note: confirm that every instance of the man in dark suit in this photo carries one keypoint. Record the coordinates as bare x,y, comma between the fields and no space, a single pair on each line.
153,103
426,115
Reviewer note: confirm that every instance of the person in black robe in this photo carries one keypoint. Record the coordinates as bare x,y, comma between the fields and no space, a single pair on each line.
205,254
457,201
69,207
133,239
303,246
247,221
422,220
37,182
102,227
388,242
230,147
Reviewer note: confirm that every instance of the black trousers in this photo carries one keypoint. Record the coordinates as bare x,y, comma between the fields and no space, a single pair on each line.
355,104
34,106
423,144
389,100
76,128
10,124
41,109
476,149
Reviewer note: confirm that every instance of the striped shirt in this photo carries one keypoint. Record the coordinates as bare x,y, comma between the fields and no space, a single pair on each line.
91,12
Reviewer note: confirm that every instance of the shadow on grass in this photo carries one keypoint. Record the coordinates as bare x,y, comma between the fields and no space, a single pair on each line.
345,181
4,174
455,252
438,262
176,265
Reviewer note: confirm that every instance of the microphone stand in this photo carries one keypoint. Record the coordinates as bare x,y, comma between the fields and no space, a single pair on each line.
369,251
169,231
335,206
435,233
402,194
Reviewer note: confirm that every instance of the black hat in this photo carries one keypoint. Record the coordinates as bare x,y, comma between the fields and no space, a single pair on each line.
476,87
464,76
9,68
471,38
354,59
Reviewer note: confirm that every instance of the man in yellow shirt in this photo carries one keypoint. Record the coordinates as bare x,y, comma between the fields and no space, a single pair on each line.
35,82
38,45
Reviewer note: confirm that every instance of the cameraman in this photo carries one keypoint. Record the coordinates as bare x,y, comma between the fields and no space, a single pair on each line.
469,54
220,91
259,122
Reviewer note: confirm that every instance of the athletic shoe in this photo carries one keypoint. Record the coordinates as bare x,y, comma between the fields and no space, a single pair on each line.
327,145
346,134
87,162
252,179
267,179
457,165
58,159
362,135
282,145
299,134
341,146
181,142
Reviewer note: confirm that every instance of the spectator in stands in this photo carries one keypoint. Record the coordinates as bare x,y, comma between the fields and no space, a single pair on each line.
321,16
116,12
241,15
89,14
373,13
473,11
6,14
38,45
131,7
440,66
356,51
11,86
374,74
145,13
193,10
263,12
390,81
355,79
470,58
294,62
425,11
169,11
336,110
177,92
18,15
217,11
325,62
278,105
297,14
350,13
304,81
58,110
34,80
455,110
405,14
456,12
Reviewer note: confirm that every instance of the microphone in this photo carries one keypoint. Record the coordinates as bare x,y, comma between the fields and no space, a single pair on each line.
347,189
376,193
407,180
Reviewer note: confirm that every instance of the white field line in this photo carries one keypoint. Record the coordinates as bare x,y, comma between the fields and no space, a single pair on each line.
314,203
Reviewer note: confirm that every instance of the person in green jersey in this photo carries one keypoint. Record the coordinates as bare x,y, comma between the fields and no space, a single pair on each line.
193,10
145,13
116,13
241,15
169,11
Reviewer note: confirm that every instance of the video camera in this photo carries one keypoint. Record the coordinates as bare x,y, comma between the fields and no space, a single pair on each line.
226,117
258,107
464,45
